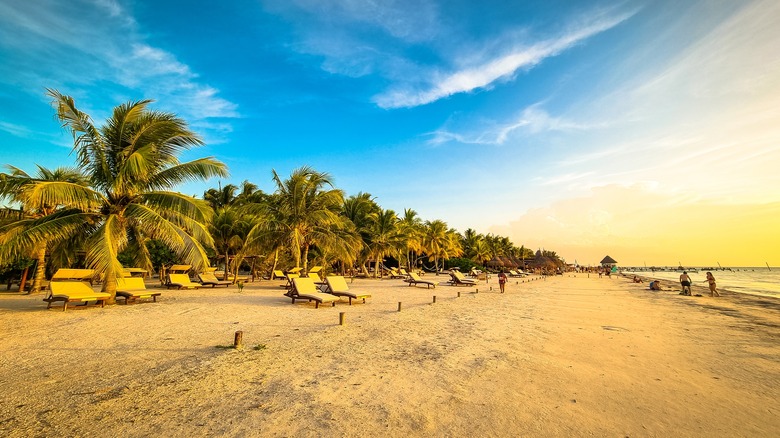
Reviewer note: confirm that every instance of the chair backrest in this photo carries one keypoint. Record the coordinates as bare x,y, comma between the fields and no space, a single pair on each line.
292,276
337,283
179,278
179,269
457,275
315,277
315,269
414,276
278,273
208,277
70,288
294,270
403,271
73,274
304,285
130,283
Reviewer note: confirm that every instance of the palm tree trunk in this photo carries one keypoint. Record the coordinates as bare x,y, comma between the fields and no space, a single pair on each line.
227,258
40,269
276,260
306,258
109,286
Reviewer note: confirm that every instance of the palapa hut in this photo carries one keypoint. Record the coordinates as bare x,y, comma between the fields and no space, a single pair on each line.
608,262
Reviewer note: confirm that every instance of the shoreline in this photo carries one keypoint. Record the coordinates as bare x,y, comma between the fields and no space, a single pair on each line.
565,355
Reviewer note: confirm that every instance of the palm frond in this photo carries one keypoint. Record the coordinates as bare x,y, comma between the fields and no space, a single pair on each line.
195,170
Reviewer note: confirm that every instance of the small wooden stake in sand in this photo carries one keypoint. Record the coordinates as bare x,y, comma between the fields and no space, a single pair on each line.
399,306
458,294
238,341
434,298
476,291
342,318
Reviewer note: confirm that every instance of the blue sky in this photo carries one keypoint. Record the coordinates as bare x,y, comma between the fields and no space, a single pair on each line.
556,123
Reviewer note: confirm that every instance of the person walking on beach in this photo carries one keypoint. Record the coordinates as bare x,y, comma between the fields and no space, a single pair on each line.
713,286
685,281
502,281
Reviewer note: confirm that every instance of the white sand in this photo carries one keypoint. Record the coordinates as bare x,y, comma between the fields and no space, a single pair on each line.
567,356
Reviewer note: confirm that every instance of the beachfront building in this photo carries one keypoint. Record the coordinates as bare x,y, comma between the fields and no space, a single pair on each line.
608,262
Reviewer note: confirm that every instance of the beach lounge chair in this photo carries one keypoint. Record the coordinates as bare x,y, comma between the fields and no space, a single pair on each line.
74,292
337,285
394,273
458,279
315,270
179,269
181,281
414,279
133,288
277,274
134,272
209,279
305,289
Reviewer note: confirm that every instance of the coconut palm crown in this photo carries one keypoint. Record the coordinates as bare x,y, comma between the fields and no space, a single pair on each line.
132,163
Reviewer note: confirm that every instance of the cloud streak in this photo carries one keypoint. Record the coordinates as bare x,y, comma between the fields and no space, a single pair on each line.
500,68
107,49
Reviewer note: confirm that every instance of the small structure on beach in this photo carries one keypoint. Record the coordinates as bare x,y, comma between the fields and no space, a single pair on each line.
608,262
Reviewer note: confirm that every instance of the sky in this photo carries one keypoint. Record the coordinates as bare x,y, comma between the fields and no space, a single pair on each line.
644,130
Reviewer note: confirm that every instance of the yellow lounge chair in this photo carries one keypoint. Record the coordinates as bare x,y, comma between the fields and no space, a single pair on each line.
207,279
337,285
458,279
277,274
74,274
133,288
74,292
179,269
305,289
414,279
134,272
181,281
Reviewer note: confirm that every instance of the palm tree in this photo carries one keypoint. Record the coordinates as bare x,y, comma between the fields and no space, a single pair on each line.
385,237
52,194
440,243
229,228
132,163
220,197
304,211
412,229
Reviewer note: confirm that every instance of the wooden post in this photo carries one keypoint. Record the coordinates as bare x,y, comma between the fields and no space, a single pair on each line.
458,294
477,291
399,306
434,299
23,281
342,318
238,340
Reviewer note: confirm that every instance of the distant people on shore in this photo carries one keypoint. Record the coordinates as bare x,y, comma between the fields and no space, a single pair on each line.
655,285
637,279
713,287
502,281
685,281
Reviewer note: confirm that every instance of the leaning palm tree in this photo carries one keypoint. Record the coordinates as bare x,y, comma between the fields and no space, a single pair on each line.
53,192
132,163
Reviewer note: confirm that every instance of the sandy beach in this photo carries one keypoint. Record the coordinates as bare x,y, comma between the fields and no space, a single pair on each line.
563,356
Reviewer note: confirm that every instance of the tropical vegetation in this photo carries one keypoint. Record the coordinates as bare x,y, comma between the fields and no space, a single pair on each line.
119,206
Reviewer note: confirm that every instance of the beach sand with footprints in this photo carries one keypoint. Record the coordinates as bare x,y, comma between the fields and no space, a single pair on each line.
563,356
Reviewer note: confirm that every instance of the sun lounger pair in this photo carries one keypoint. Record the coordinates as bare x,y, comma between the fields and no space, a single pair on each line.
133,288
458,279
305,289
181,281
415,279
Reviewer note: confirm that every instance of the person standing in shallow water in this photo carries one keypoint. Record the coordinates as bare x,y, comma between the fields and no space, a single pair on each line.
685,281
502,281
713,286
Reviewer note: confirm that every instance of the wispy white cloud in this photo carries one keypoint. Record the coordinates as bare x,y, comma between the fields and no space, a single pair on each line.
504,67
107,49
532,120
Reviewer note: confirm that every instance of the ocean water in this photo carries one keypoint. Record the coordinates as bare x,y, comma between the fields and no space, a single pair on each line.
754,281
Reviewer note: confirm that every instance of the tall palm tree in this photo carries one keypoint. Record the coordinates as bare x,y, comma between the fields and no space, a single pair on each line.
412,229
438,242
51,194
131,161
303,212
220,197
385,237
